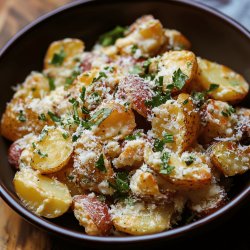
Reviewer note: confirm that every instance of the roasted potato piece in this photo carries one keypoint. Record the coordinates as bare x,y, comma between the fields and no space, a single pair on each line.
218,120
231,158
232,86
43,196
147,34
141,218
136,91
207,200
132,154
52,150
112,149
144,183
113,120
92,214
175,67
92,168
243,125
176,40
63,53
178,118
190,170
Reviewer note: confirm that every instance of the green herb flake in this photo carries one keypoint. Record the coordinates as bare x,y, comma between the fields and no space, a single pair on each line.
99,116
75,104
199,98
21,116
137,70
165,168
228,112
42,117
58,58
121,184
179,79
85,110
52,85
100,76
190,160
83,92
65,135
100,164
54,117
134,48
213,87
159,144
185,102
159,99
133,137
146,65
42,155
33,145
110,37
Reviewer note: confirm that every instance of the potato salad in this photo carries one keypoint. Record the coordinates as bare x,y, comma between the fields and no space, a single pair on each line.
137,136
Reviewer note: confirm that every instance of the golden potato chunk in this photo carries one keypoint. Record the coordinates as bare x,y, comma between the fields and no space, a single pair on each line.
43,196
231,158
179,119
145,38
132,154
141,218
189,170
113,120
207,200
63,53
52,150
218,120
177,68
232,86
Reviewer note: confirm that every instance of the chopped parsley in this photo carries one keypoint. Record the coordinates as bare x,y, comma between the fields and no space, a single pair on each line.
133,137
95,97
33,145
65,135
137,70
21,116
199,98
100,76
110,37
42,117
85,110
146,65
75,104
99,116
82,95
58,58
100,164
42,155
228,112
52,85
134,48
121,184
212,87
179,79
75,137
126,105
159,144
165,168
158,99
54,117
69,80
185,102
190,160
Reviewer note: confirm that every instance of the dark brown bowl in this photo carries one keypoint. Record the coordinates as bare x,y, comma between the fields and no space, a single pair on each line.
213,36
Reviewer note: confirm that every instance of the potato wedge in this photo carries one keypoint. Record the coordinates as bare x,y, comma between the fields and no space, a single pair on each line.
189,170
113,121
176,40
43,196
231,158
232,86
52,150
175,64
178,118
147,34
92,214
63,53
141,218
218,120
136,91
92,168
132,154
207,200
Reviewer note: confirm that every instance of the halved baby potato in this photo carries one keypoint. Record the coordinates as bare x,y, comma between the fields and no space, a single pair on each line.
44,196
63,53
141,218
178,118
232,86
188,170
218,120
182,63
230,157
52,150
92,214
113,121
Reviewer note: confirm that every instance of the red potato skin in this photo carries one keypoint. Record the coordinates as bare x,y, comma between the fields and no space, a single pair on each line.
14,154
97,210
137,92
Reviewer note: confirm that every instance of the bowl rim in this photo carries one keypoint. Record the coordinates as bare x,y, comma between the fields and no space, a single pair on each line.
49,226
